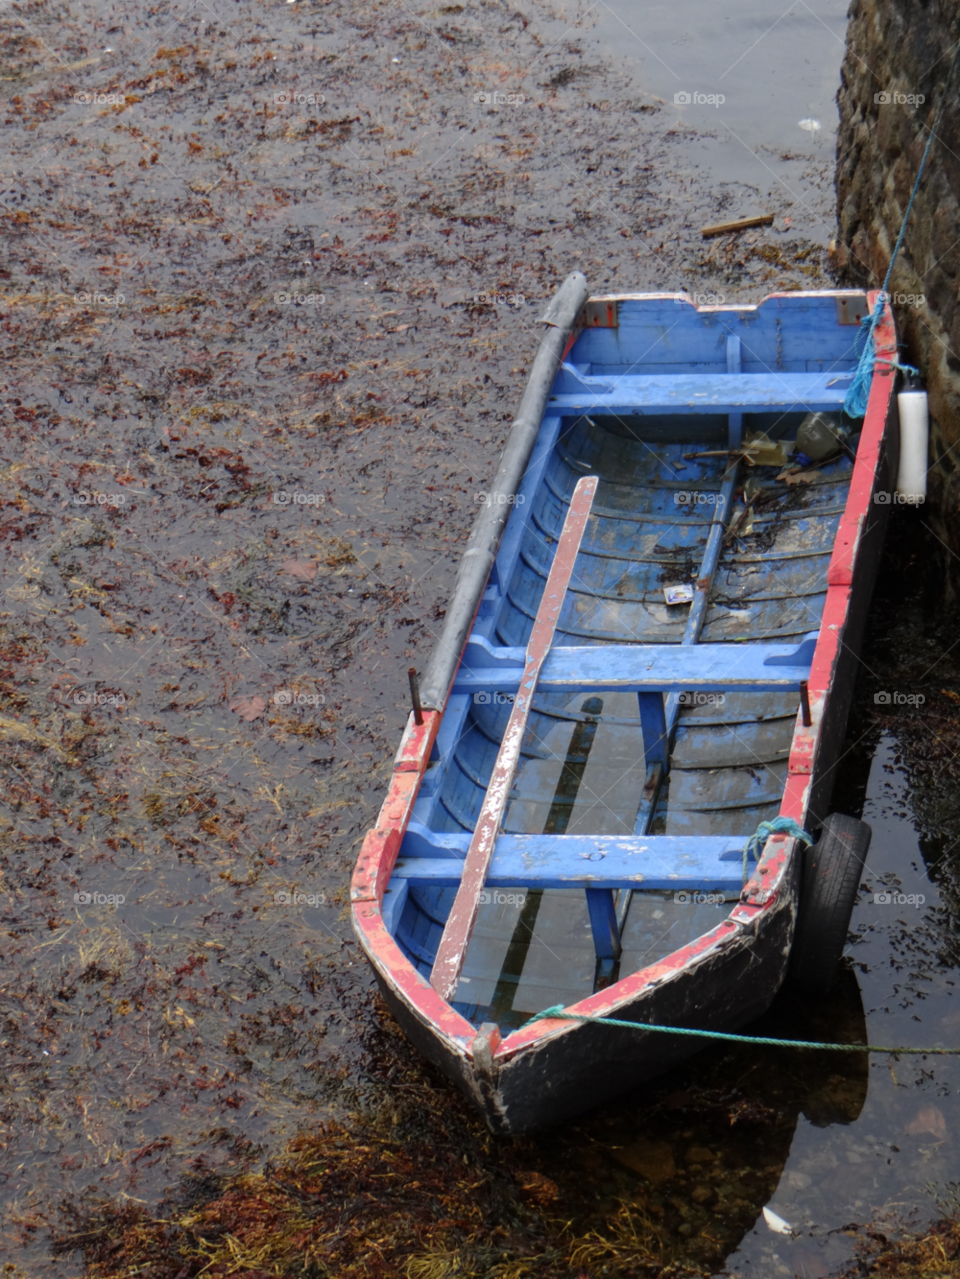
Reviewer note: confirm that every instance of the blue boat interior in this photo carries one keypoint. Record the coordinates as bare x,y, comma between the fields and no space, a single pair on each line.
656,748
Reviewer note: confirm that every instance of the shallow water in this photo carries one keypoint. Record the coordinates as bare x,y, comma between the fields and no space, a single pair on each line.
757,83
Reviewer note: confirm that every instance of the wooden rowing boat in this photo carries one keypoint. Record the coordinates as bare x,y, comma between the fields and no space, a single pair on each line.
566,825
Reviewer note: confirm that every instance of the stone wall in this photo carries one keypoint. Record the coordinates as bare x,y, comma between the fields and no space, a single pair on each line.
904,49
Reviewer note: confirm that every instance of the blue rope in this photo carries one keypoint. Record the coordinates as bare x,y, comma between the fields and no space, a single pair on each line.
858,392
558,1012
753,848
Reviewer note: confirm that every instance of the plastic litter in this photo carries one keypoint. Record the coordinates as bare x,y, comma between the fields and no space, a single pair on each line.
821,436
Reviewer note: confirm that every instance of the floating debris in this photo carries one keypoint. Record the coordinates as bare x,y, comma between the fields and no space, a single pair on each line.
738,224
776,1222
682,594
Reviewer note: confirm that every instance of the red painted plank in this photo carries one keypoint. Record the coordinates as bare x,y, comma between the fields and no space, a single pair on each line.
410,755
406,983
842,569
381,845
456,935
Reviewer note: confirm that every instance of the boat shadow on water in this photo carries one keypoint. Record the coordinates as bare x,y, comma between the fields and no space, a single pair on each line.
700,1155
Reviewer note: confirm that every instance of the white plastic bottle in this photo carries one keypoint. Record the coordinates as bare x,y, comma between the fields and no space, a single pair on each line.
914,442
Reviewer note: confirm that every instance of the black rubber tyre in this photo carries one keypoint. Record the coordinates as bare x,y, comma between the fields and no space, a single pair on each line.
832,868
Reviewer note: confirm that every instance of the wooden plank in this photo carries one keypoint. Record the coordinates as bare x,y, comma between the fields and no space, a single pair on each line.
650,794
604,927
711,556
701,392
703,862
456,935
653,725
693,854
507,875
734,365
642,668
689,851
738,224
798,334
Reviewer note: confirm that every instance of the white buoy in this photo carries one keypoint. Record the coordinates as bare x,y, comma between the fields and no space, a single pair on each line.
914,443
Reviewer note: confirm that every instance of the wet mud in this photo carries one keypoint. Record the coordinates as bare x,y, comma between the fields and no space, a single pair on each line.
270,282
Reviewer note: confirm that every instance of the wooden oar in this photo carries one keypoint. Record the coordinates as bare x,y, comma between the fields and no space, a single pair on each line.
456,935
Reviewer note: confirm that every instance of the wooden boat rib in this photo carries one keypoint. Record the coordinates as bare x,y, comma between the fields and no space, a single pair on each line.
657,736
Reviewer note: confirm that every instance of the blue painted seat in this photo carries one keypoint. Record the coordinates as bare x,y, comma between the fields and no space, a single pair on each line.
640,668
700,392
708,863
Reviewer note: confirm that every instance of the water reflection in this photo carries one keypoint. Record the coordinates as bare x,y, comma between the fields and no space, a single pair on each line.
703,1152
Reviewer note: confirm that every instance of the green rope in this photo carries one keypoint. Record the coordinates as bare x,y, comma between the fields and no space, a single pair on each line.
754,846
560,1013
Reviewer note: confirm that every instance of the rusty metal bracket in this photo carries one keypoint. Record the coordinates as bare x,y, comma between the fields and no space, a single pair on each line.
604,314
852,308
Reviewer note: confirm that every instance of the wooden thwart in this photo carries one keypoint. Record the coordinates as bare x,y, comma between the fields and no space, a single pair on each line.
758,392
643,668
456,935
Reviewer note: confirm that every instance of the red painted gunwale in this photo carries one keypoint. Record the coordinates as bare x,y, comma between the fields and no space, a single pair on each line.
378,854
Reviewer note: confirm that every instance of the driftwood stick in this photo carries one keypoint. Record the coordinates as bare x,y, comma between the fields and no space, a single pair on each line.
739,224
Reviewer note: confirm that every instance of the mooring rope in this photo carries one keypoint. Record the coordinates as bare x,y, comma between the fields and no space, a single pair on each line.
858,392
559,1013
779,826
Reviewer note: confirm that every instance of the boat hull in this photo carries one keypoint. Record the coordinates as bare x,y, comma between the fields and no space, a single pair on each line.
581,1066
552,1069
